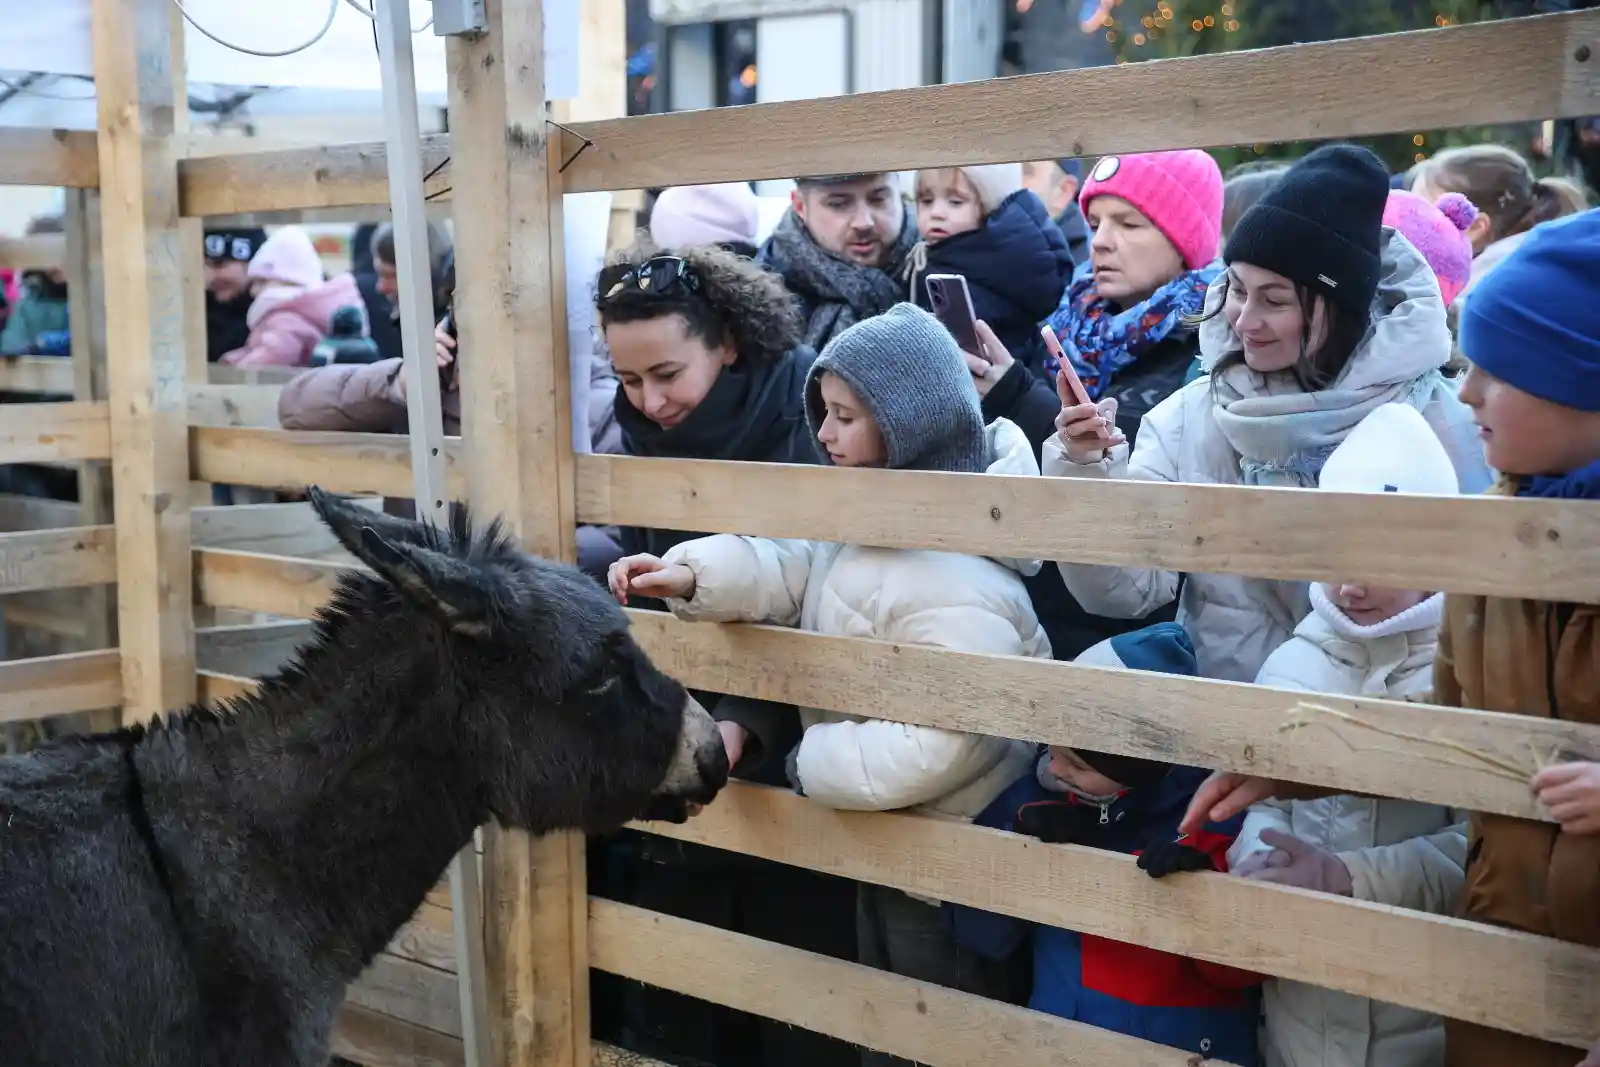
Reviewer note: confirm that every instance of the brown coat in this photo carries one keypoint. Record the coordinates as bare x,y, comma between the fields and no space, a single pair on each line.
1523,657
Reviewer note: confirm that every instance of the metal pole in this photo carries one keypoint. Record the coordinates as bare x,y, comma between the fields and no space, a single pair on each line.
413,265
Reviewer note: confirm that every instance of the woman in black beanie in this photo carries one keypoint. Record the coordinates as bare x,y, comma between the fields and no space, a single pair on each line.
1323,316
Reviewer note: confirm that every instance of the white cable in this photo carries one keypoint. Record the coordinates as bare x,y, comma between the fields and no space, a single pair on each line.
333,9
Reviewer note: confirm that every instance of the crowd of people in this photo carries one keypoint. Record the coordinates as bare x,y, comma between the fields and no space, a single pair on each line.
1322,325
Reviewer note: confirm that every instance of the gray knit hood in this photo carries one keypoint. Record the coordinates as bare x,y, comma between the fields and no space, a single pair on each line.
906,368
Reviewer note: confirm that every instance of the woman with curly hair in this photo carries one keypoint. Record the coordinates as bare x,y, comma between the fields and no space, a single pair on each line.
706,346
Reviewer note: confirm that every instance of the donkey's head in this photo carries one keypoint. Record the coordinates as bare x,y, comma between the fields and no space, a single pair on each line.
570,723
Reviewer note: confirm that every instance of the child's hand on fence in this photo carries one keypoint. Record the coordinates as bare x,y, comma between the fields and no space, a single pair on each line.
1163,857
1572,793
1287,860
1222,796
648,575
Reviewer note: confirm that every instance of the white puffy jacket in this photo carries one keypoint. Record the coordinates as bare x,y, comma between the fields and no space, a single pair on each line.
1237,621
1399,852
923,597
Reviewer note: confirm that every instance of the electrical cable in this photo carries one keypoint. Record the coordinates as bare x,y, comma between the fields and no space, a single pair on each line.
327,24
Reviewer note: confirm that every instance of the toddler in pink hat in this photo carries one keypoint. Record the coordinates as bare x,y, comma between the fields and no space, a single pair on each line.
1439,231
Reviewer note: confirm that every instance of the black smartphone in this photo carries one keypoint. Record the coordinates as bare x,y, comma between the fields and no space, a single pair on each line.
447,373
952,305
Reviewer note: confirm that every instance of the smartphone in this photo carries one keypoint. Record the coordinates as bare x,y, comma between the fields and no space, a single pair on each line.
447,374
951,301
1080,395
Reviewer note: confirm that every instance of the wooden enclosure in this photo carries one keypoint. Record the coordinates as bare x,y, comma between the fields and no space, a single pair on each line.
146,414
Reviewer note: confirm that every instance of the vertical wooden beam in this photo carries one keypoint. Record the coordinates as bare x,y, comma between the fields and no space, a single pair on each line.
139,86
603,94
86,317
516,425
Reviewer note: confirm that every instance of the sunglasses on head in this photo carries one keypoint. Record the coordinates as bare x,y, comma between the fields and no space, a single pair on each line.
658,276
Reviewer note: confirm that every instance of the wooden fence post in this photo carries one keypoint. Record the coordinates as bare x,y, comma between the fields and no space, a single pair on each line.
140,84
516,425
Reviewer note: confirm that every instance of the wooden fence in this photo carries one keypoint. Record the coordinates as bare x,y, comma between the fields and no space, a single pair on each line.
150,411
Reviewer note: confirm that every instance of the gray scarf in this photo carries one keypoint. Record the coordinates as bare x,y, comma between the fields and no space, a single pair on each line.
836,293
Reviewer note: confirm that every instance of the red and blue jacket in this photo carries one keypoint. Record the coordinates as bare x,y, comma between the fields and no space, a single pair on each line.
1200,1007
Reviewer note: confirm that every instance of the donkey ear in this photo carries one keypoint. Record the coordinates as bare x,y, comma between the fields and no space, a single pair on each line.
347,518
459,594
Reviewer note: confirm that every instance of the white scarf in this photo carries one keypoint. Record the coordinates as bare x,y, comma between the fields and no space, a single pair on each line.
1283,434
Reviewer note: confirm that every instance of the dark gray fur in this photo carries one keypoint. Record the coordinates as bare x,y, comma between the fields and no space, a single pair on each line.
201,892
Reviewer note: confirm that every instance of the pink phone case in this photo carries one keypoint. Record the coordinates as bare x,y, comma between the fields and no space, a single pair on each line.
1064,368
952,305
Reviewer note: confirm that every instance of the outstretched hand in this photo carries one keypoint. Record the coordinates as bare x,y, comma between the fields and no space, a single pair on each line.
1288,860
648,575
1572,793
1222,796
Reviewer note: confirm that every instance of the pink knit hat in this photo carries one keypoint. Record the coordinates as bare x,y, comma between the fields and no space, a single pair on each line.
1179,192
287,256
691,216
1439,230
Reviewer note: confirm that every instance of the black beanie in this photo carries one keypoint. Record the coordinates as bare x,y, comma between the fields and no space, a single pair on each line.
1130,772
1320,226
239,244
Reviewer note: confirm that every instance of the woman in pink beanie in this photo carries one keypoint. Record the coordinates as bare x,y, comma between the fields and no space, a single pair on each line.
293,307
1439,232
1127,322
699,216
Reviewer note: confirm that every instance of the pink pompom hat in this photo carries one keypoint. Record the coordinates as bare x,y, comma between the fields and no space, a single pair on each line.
1179,192
1439,232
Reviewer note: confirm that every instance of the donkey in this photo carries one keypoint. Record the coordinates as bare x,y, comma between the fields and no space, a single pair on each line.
200,892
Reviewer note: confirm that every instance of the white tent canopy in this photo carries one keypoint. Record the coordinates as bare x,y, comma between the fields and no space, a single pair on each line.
339,73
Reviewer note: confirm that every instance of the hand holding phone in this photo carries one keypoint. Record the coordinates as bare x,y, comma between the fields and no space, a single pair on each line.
951,301
1076,406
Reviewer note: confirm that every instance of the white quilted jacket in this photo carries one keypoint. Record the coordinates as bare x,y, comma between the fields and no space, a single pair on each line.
947,599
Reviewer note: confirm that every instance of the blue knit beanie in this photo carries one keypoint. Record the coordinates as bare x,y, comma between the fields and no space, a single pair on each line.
1534,321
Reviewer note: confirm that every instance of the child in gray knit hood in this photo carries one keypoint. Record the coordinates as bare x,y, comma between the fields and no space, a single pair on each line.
893,391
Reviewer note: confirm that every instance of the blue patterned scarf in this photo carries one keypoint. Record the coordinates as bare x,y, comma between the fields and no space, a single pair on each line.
1100,340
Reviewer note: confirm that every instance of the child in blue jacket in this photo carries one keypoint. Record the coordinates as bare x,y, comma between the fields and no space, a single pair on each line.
1130,805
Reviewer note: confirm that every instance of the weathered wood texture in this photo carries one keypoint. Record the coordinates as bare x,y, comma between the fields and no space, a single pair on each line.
1541,68
925,1023
59,685
69,158
1500,978
338,462
57,559
46,433
139,88
1532,548
1416,751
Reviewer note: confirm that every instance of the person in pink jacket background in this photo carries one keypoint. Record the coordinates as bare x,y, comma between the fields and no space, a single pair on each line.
293,307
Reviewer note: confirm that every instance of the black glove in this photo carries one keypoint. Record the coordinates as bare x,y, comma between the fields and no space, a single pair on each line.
1163,857
791,770
1058,822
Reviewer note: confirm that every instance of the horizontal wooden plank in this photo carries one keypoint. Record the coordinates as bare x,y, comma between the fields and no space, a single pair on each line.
373,1039
339,462
1414,751
1396,83
37,374
57,559
428,938
323,176
376,1040
60,685
69,158
40,252
213,687
224,374
1500,978
249,651
411,991
18,512
43,433
252,581
234,405
291,529
1548,549
58,612
925,1023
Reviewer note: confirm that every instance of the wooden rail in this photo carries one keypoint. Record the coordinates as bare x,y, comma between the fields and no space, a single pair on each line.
1542,67
60,685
